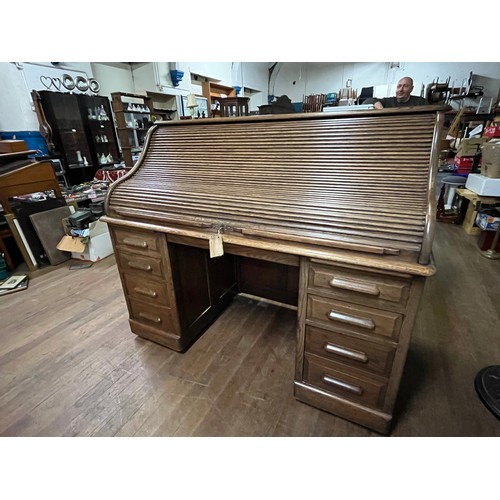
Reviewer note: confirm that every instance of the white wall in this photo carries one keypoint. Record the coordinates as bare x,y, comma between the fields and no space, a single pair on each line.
297,79
294,79
255,77
113,77
16,83
15,104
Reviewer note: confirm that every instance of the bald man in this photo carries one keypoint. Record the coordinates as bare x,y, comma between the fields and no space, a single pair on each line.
403,97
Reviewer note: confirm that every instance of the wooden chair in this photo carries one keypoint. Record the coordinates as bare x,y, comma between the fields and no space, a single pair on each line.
313,103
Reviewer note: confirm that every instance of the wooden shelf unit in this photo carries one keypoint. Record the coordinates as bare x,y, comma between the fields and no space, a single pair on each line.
164,106
212,91
131,137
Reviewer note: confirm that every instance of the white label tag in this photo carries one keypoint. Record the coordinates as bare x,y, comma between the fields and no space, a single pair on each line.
215,245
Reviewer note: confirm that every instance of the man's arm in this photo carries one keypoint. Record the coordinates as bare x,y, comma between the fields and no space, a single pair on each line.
377,103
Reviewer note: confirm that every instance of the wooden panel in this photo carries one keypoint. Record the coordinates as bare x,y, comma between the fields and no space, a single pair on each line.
269,280
143,242
203,286
158,318
359,286
327,376
354,318
191,283
142,288
351,351
147,266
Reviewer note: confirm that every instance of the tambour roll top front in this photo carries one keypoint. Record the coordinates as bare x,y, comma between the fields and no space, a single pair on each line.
361,179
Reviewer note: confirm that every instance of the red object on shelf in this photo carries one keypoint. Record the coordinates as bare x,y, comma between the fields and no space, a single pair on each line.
464,161
492,131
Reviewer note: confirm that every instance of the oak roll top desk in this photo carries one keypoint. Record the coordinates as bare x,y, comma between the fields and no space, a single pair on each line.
333,214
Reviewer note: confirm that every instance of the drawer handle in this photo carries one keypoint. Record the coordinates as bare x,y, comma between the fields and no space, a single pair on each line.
146,292
150,317
347,353
139,265
355,389
352,320
135,243
355,286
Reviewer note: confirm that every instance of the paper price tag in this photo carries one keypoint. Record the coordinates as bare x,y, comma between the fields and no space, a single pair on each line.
215,245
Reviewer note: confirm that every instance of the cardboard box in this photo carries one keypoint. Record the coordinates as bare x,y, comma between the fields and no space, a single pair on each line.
470,146
491,171
490,161
482,185
487,222
96,248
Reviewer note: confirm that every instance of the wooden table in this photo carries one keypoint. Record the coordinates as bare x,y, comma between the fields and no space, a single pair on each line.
233,106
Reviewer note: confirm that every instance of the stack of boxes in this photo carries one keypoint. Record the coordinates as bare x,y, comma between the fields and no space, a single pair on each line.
468,155
490,163
488,184
482,190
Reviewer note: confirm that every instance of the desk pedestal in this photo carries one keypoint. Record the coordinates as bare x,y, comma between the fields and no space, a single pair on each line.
353,323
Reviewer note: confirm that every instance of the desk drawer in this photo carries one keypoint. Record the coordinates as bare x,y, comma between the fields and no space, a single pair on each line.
350,351
149,290
153,316
353,317
359,286
330,378
142,242
147,266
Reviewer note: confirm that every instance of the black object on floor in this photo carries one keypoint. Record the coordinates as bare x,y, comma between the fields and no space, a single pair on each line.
487,384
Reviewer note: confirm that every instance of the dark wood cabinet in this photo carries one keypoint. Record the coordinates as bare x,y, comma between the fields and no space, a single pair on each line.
83,132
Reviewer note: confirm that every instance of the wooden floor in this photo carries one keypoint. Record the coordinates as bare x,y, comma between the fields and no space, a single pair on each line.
69,365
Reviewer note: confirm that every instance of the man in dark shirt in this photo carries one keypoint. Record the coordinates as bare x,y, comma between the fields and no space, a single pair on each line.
403,97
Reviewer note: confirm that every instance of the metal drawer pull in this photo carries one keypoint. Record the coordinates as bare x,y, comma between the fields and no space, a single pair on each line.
135,243
146,292
355,389
347,353
352,320
150,317
355,286
139,265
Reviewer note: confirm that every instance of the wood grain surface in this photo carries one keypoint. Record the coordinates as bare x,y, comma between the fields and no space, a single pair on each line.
356,178
69,365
